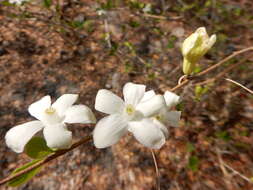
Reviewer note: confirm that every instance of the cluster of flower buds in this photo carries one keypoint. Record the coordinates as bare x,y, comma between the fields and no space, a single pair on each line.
194,47
144,114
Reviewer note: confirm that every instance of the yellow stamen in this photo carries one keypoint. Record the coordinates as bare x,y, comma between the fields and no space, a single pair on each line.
130,109
50,110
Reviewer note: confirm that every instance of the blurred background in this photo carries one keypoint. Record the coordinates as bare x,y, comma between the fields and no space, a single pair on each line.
80,46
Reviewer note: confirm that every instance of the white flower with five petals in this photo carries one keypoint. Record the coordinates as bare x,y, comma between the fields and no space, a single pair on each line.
133,114
51,119
165,117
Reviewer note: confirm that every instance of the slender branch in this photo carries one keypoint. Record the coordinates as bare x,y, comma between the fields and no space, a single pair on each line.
237,83
223,165
156,170
224,60
46,160
188,79
237,173
221,74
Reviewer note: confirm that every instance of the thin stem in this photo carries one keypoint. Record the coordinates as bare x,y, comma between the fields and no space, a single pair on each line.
156,170
225,60
46,160
237,83
221,74
212,67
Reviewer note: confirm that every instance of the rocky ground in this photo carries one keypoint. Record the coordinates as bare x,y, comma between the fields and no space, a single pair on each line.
82,46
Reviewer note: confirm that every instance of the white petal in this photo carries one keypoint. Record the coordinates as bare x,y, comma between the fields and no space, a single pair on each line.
147,133
171,99
162,127
64,102
151,106
202,31
17,137
109,130
147,95
173,118
57,136
37,108
211,41
79,114
133,93
189,43
108,102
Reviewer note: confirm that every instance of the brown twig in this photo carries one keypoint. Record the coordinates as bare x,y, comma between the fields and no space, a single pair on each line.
237,83
224,60
221,74
212,67
156,170
46,160
223,167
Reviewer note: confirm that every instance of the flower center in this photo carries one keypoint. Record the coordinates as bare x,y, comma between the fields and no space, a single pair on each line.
130,109
50,111
159,117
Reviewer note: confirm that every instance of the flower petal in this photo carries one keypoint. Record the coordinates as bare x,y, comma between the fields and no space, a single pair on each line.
64,102
57,136
147,95
202,32
17,137
108,102
133,93
173,118
79,114
189,43
211,41
163,128
147,133
152,106
37,108
109,130
171,99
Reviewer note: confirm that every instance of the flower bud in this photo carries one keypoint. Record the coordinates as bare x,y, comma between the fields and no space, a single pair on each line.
194,47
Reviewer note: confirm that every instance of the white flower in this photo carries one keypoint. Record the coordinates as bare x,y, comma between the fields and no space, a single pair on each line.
133,114
165,115
194,47
18,2
52,119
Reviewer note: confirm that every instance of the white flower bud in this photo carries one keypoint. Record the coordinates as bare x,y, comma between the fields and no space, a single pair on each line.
194,47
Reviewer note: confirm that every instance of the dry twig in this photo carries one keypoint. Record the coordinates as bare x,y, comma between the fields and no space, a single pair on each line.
237,83
157,171
236,53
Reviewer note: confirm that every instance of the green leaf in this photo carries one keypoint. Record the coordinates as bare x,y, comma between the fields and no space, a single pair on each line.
37,148
47,3
200,91
193,163
26,176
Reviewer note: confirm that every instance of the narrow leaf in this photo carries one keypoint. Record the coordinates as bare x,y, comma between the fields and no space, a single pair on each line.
26,176
37,148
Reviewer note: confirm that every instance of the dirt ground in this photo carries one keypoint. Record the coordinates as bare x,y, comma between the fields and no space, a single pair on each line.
87,45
